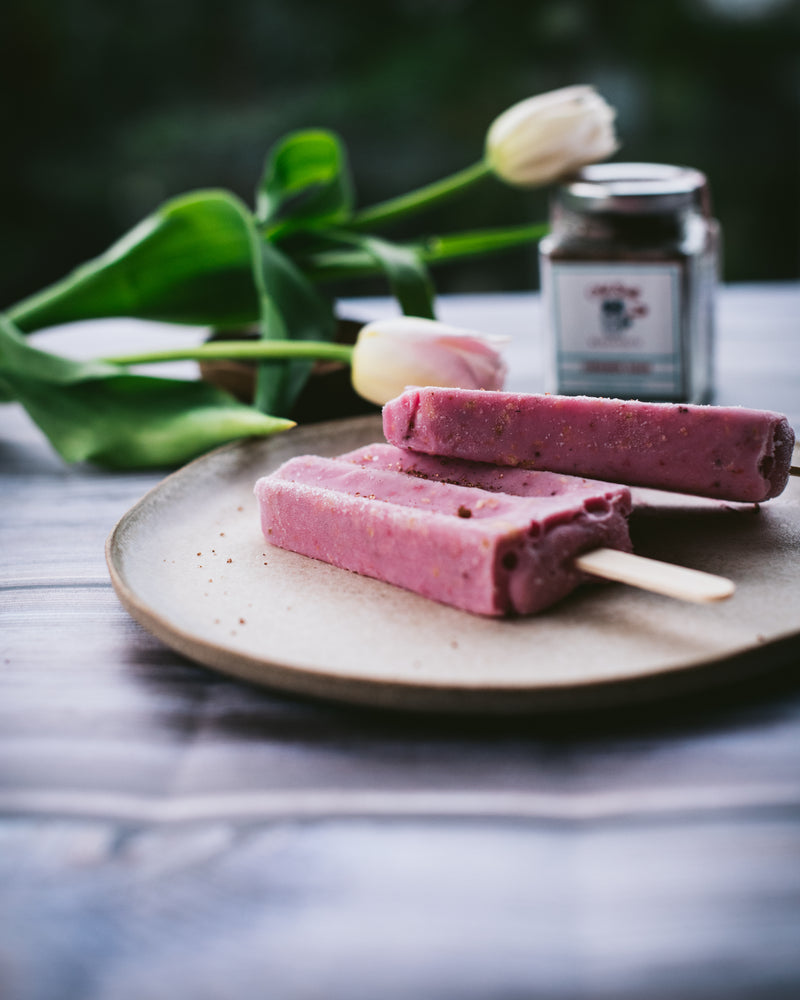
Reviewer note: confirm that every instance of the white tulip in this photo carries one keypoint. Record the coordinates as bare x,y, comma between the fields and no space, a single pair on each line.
544,137
392,354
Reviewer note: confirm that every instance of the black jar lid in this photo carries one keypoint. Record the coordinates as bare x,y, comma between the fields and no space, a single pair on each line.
635,189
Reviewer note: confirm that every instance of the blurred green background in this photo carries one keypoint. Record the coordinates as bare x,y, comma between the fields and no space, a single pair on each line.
108,109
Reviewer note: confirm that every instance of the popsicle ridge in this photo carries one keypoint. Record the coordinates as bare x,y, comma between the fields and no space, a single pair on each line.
489,553
731,453
514,480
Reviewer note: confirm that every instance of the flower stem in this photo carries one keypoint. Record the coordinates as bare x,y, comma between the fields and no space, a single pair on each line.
423,197
243,350
336,265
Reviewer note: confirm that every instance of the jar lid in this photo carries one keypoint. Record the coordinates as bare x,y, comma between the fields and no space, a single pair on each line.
635,188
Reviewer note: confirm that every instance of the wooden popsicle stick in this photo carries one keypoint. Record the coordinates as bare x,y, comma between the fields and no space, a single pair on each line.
794,470
650,574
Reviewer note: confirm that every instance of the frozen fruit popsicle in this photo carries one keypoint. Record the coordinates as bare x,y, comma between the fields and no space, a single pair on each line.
727,452
489,553
494,478
524,482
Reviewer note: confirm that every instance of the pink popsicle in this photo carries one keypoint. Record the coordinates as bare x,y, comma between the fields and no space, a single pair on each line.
461,472
727,452
489,553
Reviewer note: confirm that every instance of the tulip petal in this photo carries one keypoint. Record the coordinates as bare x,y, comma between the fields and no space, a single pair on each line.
392,354
544,137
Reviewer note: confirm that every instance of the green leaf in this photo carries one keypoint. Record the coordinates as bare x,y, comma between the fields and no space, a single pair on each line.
135,421
97,412
306,182
188,262
199,259
407,274
324,265
291,309
19,357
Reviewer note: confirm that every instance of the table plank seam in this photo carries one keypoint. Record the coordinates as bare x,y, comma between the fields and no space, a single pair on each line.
319,803
56,584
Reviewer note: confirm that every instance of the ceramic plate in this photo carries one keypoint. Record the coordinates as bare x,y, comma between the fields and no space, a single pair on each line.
189,563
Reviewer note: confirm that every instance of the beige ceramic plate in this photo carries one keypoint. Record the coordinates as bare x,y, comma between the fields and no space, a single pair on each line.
190,564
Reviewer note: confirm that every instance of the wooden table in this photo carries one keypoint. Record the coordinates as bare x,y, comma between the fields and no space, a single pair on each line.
166,832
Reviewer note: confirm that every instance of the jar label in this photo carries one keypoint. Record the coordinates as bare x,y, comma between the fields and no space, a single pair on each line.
616,328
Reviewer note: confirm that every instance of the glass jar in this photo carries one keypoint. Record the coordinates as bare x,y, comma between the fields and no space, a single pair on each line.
629,274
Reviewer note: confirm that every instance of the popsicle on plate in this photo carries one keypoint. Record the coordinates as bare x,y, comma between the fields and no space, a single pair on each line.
462,472
488,553
727,452
523,482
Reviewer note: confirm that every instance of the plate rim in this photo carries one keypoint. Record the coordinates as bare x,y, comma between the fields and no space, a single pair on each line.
457,697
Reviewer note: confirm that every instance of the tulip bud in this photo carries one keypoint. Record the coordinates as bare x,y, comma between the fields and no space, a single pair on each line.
392,354
544,137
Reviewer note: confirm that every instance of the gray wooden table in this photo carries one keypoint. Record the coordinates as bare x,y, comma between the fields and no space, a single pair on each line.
166,832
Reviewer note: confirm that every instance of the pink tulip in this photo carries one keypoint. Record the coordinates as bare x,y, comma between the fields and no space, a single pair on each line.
392,354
